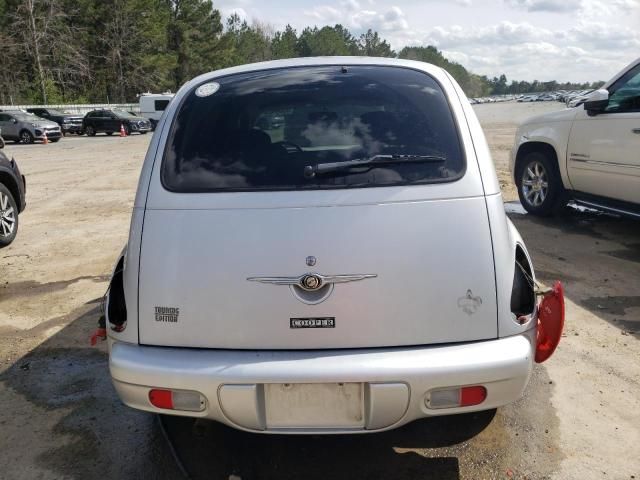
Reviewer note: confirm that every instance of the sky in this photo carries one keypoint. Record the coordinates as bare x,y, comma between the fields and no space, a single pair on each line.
564,40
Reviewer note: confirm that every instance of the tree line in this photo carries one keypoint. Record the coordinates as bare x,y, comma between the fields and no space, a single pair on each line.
500,86
77,51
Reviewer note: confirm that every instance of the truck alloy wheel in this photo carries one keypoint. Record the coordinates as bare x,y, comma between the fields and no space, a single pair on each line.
539,184
535,183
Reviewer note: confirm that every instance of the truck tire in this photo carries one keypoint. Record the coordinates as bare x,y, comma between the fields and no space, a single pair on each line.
539,184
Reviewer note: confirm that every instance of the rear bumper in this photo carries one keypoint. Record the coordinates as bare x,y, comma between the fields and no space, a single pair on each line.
396,380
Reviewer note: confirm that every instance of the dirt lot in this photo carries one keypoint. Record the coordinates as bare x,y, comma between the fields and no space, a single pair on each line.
60,417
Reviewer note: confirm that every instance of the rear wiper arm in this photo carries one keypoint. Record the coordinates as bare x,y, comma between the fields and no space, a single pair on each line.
311,171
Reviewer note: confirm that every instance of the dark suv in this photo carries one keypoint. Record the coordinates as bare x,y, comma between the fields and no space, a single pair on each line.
69,123
110,121
12,198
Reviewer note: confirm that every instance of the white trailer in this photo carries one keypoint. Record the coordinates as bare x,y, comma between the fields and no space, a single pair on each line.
153,105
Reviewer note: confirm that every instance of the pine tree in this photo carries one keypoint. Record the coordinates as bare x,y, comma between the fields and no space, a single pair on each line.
372,45
194,30
284,44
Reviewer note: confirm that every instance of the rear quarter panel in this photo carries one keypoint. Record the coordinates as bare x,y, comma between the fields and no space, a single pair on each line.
504,235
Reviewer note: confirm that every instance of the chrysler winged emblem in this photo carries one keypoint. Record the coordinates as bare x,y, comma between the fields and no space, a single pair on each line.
311,282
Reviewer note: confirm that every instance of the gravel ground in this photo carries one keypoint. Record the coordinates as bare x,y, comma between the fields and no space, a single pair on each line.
580,417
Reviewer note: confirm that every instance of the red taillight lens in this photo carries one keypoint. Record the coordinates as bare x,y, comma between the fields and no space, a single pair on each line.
550,323
161,399
472,396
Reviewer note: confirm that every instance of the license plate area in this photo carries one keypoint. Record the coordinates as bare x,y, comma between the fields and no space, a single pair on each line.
314,405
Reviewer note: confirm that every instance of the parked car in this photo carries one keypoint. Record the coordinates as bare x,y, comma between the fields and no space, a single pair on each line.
153,105
12,198
528,98
110,122
588,154
69,123
578,99
25,127
310,279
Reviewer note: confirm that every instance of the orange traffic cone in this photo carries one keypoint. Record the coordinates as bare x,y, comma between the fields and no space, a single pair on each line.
45,140
123,133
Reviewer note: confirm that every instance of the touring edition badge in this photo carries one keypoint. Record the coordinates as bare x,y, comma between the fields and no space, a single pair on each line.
167,314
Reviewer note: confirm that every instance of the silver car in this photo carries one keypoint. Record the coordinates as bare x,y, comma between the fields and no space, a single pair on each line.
25,127
320,246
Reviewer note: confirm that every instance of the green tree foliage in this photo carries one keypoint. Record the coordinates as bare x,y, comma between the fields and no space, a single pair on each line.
38,36
246,44
65,51
194,31
10,77
498,86
132,47
284,44
473,85
326,41
372,45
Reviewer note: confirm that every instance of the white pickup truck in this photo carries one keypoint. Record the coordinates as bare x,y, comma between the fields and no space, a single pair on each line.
589,154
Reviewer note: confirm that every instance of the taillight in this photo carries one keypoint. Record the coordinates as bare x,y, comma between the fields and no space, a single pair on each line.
456,397
161,399
177,400
472,396
550,322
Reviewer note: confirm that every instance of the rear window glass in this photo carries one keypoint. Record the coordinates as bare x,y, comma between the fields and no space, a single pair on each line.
313,128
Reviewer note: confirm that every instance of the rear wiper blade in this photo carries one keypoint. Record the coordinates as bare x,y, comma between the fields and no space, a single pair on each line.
311,171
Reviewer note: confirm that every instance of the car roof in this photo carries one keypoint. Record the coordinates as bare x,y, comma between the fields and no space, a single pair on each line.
429,68
14,112
615,78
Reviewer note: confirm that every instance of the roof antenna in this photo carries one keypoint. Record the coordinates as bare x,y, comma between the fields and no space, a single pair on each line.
343,69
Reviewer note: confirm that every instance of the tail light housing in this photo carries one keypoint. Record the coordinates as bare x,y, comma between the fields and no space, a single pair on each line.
550,322
115,307
456,397
177,400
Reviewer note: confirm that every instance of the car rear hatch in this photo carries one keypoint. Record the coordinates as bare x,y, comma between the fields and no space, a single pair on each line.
232,249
